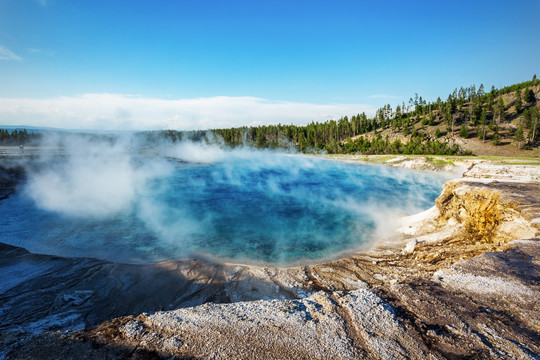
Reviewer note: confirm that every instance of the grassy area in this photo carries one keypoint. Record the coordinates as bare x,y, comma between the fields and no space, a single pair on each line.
502,160
437,161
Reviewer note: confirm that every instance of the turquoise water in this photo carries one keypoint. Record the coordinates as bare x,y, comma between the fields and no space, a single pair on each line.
261,208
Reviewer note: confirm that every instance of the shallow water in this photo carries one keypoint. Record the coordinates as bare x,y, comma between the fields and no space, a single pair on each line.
257,208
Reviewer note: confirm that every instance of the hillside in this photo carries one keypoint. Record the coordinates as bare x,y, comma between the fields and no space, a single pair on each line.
501,122
489,131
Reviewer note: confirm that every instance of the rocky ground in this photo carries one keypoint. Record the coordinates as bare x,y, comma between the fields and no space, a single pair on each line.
460,280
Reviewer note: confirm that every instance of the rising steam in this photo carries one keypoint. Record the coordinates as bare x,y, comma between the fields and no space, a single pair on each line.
184,198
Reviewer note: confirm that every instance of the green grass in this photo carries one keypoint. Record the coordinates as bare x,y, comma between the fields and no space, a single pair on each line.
440,161
503,160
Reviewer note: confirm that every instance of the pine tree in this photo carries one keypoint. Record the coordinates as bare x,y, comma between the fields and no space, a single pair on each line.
519,136
481,90
496,140
464,132
528,95
480,132
483,120
500,109
535,120
519,102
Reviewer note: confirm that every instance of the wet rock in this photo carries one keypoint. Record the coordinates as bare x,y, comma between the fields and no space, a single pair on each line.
74,298
11,174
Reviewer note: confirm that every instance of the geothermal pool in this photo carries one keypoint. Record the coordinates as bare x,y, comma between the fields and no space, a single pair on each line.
249,207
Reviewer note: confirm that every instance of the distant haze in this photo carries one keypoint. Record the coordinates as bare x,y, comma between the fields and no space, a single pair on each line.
124,112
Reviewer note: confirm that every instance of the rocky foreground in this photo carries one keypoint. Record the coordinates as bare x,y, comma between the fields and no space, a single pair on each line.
460,280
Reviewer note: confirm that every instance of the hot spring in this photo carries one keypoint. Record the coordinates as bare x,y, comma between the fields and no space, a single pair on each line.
240,206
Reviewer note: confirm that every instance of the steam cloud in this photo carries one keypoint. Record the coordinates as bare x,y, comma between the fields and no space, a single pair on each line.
95,180
105,178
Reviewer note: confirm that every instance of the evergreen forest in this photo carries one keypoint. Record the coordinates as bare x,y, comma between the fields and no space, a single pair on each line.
17,137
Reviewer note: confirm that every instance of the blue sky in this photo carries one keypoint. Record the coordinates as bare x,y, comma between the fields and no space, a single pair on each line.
198,63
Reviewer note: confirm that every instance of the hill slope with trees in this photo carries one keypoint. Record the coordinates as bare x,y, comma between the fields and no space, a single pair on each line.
470,120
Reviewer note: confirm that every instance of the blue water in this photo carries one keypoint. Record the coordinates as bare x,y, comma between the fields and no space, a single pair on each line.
271,208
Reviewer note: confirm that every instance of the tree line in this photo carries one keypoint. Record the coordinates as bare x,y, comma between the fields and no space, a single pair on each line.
17,137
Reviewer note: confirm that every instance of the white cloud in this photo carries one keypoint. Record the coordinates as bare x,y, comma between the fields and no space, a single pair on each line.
126,112
6,54
384,96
